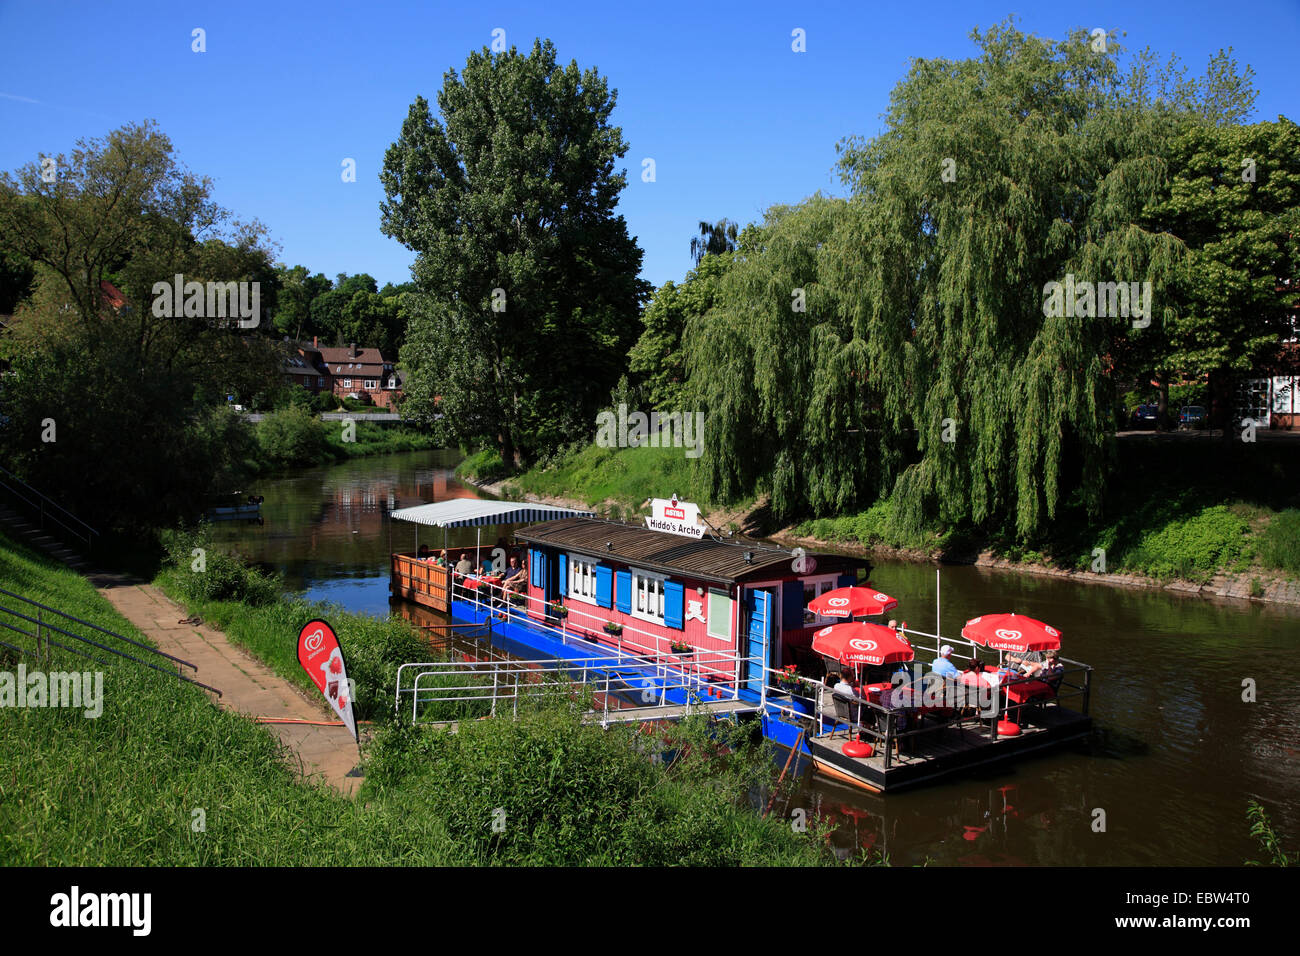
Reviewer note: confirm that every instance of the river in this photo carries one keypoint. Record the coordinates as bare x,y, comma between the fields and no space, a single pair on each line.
1176,755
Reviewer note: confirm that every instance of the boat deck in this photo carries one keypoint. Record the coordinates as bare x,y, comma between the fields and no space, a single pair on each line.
944,750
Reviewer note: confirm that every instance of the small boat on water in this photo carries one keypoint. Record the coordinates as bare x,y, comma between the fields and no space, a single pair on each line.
683,616
250,508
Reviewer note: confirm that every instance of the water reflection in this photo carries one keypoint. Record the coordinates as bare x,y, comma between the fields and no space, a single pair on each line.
1176,755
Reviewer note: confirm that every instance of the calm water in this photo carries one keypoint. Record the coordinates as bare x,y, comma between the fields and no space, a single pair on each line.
1174,759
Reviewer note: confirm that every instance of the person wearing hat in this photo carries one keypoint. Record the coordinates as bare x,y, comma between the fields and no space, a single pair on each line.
942,666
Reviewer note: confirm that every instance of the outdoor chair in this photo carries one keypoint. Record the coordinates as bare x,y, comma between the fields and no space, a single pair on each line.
847,712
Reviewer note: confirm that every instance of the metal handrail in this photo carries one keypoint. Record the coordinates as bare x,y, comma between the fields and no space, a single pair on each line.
40,506
46,626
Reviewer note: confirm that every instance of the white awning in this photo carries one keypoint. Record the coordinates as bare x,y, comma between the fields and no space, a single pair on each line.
476,512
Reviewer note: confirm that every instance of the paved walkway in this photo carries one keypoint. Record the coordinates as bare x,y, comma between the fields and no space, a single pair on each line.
246,684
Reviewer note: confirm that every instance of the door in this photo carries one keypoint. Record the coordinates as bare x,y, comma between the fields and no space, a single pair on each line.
758,638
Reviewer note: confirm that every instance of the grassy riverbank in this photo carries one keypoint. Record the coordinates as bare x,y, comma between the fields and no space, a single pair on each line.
124,789
1178,511
295,438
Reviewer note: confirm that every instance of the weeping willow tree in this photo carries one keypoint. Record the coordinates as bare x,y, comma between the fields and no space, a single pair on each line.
780,372
932,363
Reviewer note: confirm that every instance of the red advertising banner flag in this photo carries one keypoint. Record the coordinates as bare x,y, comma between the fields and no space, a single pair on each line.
322,658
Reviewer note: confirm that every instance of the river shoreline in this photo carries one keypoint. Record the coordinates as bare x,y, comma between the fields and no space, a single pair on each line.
1276,589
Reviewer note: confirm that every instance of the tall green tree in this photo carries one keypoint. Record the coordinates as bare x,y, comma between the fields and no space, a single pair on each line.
715,238
658,361
1233,199
110,408
529,279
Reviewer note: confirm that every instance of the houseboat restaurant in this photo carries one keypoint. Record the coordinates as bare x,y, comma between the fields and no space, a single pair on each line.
725,616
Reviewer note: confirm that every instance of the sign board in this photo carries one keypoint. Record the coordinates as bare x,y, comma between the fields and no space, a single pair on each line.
322,658
675,517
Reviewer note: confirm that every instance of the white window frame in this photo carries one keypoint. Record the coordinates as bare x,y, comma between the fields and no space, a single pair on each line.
371,384
820,584
646,586
726,619
347,383
582,578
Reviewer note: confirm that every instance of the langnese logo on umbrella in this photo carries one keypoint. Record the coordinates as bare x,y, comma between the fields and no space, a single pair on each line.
1006,634
838,602
882,598
858,644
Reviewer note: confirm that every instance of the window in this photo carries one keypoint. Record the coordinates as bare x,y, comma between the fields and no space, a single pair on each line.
582,578
371,383
347,383
648,596
811,589
719,624
320,382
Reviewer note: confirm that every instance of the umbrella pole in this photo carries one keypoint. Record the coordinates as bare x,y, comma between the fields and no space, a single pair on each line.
938,617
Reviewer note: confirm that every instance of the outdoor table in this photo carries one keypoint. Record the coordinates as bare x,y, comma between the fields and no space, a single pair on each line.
1024,691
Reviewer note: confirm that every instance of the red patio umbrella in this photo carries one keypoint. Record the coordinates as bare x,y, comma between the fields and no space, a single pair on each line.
861,643
850,602
1011,632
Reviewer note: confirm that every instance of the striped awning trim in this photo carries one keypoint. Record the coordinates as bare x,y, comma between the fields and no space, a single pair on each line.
476,512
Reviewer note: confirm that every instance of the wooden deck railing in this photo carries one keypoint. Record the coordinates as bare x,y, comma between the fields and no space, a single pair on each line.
421,581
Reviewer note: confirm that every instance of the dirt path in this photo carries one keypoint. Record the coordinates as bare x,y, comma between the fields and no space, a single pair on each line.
246,684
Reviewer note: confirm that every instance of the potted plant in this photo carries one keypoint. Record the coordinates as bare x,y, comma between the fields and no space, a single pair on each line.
681,647
558,609
517,599
613,629
787,683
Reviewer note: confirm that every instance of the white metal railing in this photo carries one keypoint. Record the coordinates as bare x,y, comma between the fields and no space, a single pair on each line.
612,674
720,665
963,648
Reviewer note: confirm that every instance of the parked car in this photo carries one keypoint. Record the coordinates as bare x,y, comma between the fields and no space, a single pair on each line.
1192,416
1145,416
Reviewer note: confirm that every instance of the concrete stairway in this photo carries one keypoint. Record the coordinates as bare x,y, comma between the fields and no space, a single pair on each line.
25,531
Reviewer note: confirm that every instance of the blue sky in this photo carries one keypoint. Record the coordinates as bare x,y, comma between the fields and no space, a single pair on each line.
734,120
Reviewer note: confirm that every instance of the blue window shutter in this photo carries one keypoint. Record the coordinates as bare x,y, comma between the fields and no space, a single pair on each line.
673,604
846,581
604,585
564,574
623,591
535,567
792,605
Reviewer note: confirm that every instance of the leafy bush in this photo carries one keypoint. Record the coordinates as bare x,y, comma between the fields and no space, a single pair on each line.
1193,548
484,465
1279,544
565,793
214,574
290,437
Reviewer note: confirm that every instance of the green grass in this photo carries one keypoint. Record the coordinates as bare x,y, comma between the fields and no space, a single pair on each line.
1279,543
124,789
595,475
374,438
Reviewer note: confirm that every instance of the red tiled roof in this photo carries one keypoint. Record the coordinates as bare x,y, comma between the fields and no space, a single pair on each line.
112,296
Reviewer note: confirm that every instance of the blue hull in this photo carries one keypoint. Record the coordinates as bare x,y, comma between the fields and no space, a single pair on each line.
521,638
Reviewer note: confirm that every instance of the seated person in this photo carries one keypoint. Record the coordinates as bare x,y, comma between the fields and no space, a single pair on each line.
441,559
424,554
843,687
1045,669
1018,661
514,576
464,566
942,665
